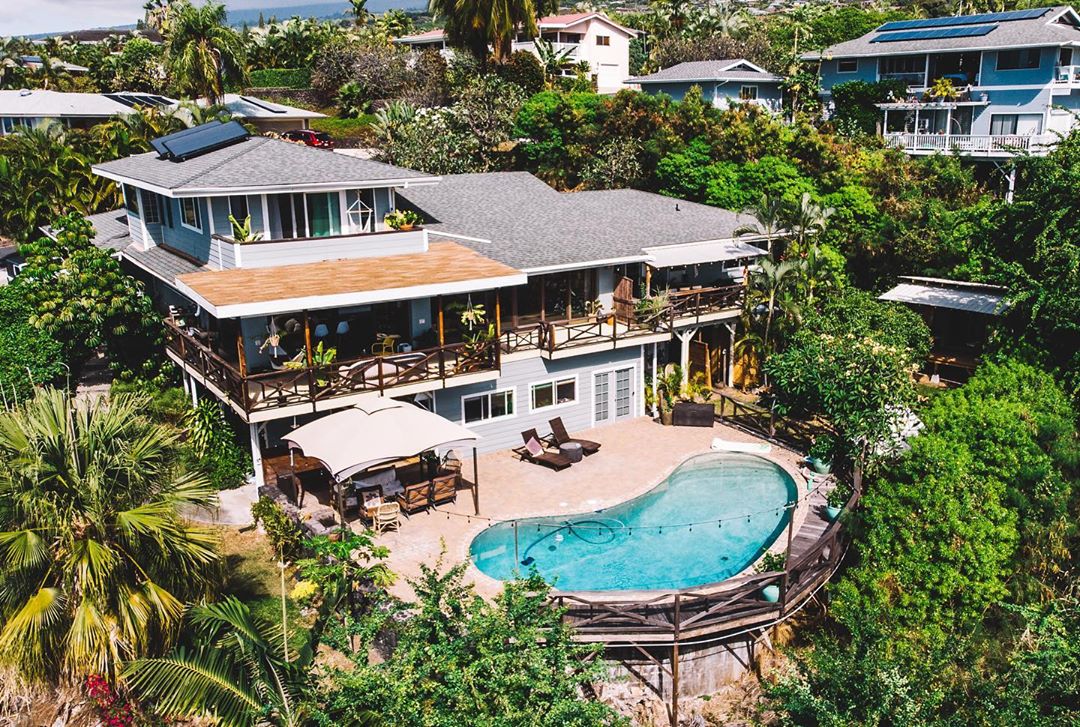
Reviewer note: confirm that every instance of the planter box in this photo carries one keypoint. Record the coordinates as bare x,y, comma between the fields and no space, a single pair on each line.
693,415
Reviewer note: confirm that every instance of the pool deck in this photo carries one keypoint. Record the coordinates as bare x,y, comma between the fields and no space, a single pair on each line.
636,456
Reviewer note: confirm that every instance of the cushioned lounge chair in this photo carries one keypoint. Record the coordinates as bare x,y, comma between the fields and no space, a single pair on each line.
534,452
559,437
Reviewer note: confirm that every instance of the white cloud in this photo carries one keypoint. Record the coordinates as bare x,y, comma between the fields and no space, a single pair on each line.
24,17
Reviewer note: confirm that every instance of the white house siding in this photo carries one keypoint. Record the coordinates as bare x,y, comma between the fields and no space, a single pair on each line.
610,63
505,433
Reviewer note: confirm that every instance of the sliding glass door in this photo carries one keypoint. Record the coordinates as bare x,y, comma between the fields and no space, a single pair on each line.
307,215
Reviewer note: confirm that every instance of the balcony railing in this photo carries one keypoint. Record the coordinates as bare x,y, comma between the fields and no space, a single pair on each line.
997,145
528,45
253,392
1067,74
684,306
226,252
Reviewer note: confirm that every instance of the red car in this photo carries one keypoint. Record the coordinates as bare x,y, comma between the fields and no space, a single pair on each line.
318,139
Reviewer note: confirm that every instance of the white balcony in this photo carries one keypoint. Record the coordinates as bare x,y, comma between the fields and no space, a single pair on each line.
225,252
530,46
970,144
1067,75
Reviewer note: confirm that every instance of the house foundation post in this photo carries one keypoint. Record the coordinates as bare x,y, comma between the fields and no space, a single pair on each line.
730,354
684,356
256,456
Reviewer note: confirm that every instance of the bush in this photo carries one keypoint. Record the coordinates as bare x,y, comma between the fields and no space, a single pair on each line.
523,68
855,104
213,442
281,530
281,78
28,355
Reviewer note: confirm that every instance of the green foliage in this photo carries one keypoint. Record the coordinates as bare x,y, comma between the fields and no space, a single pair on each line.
463,660
280,78
28,355
202,52
524,70
79,294
95,557
214,444
852,364
282,531
856,112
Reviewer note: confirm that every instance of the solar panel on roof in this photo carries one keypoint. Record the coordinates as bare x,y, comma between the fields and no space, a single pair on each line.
159,143
967,31
131,100
965,20
262,105
206,138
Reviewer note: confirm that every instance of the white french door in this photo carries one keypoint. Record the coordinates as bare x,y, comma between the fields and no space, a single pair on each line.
613,395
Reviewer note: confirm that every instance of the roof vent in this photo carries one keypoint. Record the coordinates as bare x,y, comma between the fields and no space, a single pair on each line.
199,140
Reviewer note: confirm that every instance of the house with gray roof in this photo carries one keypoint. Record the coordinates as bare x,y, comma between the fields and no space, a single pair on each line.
987,86
722,82
298,281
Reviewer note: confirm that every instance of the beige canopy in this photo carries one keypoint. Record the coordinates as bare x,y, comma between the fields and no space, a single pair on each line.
375,431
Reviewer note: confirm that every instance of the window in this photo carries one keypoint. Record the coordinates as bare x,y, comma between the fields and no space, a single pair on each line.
238,208
603,40
904,68
847,65
554,393
131,199
1003,124
151,208
747,93
1015,60
191,214
485,407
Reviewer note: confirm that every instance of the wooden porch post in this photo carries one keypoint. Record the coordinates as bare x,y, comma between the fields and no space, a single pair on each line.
648,280
241,356
498,313
307,339
442,332
543,302
514,307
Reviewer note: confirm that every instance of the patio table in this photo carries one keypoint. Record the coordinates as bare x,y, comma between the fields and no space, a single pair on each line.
572,451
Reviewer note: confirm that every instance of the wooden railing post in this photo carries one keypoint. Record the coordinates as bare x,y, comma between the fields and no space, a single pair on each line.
442,362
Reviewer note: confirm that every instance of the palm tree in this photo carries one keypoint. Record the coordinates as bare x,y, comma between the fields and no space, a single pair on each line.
156,15
234,669
394,23
767,293
95,559
553,59
202,51
358,8
768,214
808,221
478,24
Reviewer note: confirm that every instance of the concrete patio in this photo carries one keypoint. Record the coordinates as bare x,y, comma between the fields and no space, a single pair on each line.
636,455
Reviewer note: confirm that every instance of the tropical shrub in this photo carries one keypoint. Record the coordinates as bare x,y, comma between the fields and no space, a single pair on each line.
213,443
29,356
280,78
283,532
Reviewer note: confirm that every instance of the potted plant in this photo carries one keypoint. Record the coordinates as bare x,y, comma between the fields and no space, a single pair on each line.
942,90
651,310
241,231
402,220
835,501
821,453
693,408
668,389
771,563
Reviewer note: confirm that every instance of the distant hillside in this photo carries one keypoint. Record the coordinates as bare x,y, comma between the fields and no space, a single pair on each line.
320,10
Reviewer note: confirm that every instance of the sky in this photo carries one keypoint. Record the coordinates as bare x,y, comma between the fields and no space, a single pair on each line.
25,17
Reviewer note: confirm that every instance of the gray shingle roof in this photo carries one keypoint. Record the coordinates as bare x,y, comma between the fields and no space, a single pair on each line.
111,228
253,163
1043,31
518,220
722,70
112,234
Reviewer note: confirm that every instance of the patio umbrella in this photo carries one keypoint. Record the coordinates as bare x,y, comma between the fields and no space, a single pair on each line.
373,432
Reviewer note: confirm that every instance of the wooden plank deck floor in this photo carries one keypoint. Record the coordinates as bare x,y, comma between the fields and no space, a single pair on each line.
815,523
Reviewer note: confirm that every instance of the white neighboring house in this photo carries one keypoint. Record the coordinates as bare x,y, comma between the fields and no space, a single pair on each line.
590,37
33,108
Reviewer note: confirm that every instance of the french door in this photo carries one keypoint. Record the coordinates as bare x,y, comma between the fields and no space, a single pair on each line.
613,395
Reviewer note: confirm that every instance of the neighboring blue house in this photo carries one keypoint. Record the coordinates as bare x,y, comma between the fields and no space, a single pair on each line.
1016,74
722,82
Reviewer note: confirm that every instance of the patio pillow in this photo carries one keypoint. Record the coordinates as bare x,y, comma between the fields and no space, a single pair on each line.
534,447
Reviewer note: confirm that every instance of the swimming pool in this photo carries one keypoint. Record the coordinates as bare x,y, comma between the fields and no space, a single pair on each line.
735,502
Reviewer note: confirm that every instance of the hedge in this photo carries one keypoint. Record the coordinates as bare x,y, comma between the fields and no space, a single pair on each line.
281,78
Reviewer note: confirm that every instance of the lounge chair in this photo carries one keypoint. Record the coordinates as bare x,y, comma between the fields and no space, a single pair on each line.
534,452
415,498
444,488
559,437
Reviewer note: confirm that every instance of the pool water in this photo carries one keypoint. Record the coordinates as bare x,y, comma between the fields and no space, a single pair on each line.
735,502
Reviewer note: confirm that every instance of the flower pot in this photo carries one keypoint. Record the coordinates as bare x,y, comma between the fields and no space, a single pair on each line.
404,228
832,512
820,466
666,417
770,594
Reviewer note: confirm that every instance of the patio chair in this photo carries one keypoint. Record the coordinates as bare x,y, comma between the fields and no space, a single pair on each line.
385,517
559,437
534,452
415,498
444,488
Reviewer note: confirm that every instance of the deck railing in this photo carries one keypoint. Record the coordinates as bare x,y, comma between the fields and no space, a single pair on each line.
1000,144
763,422
695,303
321,382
